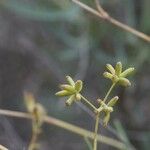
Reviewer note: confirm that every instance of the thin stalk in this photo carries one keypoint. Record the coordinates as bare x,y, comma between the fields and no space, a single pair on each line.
67,126
109,91
33,141
98,118
96,131
100,9
88,102
113,21
35,135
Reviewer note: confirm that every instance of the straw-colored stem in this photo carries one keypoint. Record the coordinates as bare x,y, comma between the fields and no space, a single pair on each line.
113,21
100,9
67,126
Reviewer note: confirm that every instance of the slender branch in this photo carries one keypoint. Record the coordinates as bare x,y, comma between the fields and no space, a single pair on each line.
98,118
109,91
113,21
33,141
96,131
88,102
100,9
67,126
34,138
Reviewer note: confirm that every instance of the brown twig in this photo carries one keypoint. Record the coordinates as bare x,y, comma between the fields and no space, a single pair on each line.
112,20
67,126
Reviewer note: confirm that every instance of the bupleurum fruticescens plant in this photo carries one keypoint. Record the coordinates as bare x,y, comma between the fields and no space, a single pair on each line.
72,90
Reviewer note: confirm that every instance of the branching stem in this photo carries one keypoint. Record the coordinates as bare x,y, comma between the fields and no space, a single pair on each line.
113,21
98,117
100,9
89,103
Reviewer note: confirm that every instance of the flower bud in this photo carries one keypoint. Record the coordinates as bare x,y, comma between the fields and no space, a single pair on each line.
113,101
99,100
107,75
63,93
127,72
78,85
110,68
118,68
115,78
67,87
70,80
78,96
106,119
110,109
70,100
107,109
29,101
102,104
124,82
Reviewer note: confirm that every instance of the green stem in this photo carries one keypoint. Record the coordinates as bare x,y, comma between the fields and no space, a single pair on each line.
108,93
96,131
33,141
98,118
89,103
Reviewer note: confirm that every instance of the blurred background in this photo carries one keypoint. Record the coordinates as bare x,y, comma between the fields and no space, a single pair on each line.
41,41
